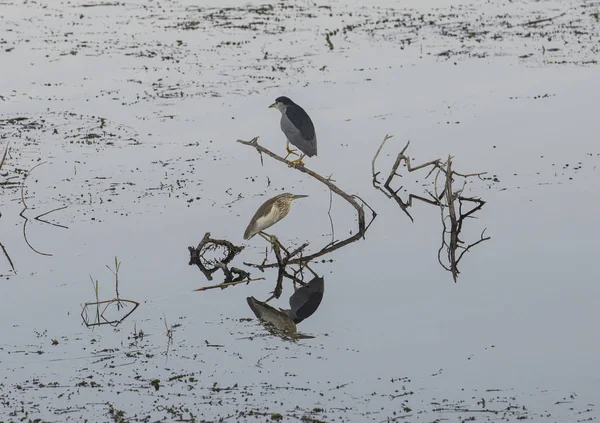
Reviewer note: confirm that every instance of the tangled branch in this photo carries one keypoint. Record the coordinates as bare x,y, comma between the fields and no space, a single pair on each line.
444,198
387,189
451,242
208,266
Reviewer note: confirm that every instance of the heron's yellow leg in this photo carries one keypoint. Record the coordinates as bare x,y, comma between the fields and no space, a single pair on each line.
272,239
297,162
289,150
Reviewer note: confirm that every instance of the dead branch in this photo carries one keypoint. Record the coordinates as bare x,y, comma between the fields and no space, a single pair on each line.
38,218
446,198
468,247
228,284
282,263
326,181
12,266
4,251
208,267
453,243
389,191
4,156
537,21
98,322
117,301
25,207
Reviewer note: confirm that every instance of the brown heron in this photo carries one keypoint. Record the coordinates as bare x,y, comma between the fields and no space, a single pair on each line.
297,127
278,322
271,212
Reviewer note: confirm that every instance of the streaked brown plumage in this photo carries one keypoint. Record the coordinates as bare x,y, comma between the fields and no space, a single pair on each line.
271,212
278,322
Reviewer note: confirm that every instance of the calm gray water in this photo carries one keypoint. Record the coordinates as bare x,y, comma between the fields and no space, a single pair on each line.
518,329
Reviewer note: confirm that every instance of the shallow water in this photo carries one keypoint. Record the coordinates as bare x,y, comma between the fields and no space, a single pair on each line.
137,134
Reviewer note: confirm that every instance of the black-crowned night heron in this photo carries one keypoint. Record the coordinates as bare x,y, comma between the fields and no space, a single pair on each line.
297,127
271,212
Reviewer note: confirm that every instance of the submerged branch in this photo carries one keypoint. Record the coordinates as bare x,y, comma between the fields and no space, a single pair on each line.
209,266
445,198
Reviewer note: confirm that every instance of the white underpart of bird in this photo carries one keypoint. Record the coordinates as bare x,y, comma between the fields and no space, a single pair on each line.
267,221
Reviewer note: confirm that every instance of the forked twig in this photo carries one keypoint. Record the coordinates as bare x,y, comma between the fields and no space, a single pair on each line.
391,192
445,199
25,207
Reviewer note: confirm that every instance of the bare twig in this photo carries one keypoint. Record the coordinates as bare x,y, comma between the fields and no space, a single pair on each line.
12,266
228,284
389,191
330,218
4,156
537,21
47,213
115,322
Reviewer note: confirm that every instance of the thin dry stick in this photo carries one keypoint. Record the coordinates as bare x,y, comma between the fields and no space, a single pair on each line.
330,218
108,303
228,284
443,219
391,193
4,156
544,19
47,213
12,266
332,187
453,223
375,183
25,208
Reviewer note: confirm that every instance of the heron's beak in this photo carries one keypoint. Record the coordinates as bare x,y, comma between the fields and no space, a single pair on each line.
299,196
274,106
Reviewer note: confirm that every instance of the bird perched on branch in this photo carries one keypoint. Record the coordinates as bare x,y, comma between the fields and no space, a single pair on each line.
271,212
297,127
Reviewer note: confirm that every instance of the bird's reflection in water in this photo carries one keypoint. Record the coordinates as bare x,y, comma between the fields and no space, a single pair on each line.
303,303
306,300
